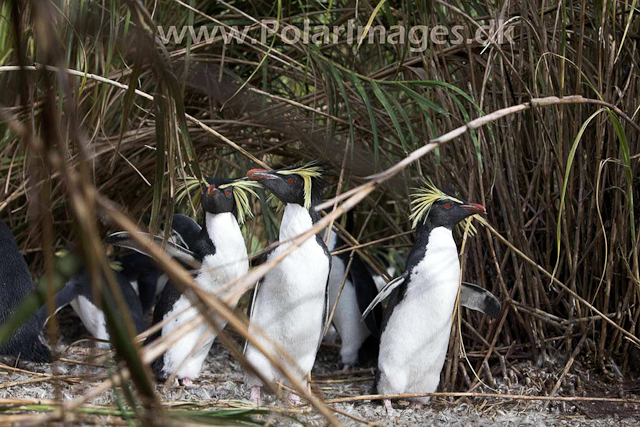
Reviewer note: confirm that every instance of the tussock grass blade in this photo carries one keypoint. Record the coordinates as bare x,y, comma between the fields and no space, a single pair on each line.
372,118
126,107
128,395
567,172
187,56
400,109
345,97
160,111
632,10
626,160
473,133
370,21
422,100
392,115
122,336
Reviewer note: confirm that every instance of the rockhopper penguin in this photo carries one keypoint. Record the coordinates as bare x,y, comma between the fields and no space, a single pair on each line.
15,285
289,303
418,318
220,249
79,293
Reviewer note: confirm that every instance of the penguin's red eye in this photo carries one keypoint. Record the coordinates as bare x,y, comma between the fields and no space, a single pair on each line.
290,180
447,205
227,193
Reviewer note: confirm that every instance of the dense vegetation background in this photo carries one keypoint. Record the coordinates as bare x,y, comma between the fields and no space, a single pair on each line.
560,181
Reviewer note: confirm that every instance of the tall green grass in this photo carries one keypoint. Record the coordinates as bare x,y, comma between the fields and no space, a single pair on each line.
559,182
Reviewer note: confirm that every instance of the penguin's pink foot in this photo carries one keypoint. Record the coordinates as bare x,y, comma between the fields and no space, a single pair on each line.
255,396
294,399
416,406
186,382
387,407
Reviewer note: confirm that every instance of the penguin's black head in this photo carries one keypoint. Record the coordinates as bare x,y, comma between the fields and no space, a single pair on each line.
302,185
448,212
216,200
432,207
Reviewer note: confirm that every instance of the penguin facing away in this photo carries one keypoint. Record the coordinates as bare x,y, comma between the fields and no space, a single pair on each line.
15,285
359,338
221,251
418,318
290,302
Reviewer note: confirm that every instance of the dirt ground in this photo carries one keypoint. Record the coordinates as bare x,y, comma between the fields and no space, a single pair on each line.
221,386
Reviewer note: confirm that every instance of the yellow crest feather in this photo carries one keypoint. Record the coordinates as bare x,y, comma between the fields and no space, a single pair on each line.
275,203
240,189
188,185
423,198
306,172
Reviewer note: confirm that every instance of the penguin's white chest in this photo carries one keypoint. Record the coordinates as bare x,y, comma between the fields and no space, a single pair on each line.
414,342
229,262
290,302
301,277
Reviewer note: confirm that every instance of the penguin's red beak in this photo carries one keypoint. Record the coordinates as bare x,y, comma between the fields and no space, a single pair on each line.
474,208
212,190
260,175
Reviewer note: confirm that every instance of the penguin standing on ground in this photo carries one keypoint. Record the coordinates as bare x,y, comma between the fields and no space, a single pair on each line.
359,339
418,318
289,304
220,249
15,285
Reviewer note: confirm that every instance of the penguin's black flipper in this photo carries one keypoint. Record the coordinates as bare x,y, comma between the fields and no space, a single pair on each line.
62,298
479,299
186,228
179,252
384,293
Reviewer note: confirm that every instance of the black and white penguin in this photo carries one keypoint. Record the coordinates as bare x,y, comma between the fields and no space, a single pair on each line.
359,338
79,293
132,274
418,318
15,285
290,302
220,249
